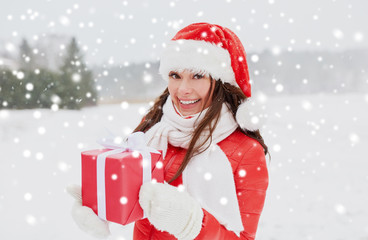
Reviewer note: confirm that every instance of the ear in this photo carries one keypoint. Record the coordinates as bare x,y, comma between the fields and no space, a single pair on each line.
247,116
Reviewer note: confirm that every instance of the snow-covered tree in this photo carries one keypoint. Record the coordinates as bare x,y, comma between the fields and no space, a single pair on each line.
76,85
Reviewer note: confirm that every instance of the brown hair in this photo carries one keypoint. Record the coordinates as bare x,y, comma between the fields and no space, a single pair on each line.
222,92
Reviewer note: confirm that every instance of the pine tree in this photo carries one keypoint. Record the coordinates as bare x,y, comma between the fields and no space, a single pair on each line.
26,61
76,85
71,88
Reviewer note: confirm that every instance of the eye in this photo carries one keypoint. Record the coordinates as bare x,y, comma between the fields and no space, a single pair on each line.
198,76
174,75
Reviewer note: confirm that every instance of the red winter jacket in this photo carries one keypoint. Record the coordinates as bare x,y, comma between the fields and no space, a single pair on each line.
251,181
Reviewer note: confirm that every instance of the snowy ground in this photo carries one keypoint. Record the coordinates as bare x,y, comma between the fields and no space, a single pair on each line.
318,171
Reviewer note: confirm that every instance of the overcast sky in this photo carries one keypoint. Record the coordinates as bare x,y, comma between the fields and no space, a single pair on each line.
134,30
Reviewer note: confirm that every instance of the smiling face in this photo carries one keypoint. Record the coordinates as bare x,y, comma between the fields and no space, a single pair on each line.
190,92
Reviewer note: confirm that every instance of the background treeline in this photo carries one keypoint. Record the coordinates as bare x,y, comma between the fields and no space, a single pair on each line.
61,78
272,74
33,85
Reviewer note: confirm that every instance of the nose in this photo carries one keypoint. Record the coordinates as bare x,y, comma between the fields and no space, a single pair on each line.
185,87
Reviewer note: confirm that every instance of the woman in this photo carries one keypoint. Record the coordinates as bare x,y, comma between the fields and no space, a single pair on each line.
215,169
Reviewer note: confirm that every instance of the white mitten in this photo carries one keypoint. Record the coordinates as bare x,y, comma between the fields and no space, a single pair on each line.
85,217
171,210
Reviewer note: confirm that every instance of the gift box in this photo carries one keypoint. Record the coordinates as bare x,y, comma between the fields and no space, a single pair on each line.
111,180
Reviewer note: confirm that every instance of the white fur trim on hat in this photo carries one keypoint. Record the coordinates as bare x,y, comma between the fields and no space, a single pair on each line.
247,116
199,56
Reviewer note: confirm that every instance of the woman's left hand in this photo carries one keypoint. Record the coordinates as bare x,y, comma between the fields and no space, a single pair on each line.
172,210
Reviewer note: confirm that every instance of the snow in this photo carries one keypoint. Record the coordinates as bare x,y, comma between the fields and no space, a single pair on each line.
318,177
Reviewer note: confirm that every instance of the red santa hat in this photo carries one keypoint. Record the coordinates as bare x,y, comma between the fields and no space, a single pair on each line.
214,50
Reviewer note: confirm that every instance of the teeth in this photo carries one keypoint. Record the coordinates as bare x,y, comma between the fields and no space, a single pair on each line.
189,102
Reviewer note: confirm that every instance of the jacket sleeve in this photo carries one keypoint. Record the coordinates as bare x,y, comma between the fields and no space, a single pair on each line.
251,182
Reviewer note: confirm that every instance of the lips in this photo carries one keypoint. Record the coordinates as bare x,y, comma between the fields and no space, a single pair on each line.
188,104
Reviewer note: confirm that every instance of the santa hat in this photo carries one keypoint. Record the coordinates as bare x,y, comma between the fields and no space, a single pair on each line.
214,50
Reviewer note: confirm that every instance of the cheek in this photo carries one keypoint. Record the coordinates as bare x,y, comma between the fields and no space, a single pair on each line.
204,89
206,93
171,87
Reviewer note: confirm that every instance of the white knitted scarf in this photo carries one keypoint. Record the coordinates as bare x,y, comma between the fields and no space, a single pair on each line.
208,176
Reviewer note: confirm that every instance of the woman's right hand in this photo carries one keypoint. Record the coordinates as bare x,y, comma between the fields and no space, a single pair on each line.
85,217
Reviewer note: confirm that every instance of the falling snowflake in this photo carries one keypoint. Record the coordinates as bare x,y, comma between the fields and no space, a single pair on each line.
276,50
277,148
123,200
41,130
255,58
207,176
26,153
147,78
181,188
76,77
118,140
20,75
136,154
63,166
114,176
279,87
127,131
354,138
159,165
31,220
64,20
338,34
242,173
142,110
39,156
80,124
110,117
54,107
28,197
340,209
9,47
223,201
29,87
358,37
307,105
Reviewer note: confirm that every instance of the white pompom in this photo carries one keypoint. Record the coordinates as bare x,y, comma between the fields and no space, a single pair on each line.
248,117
